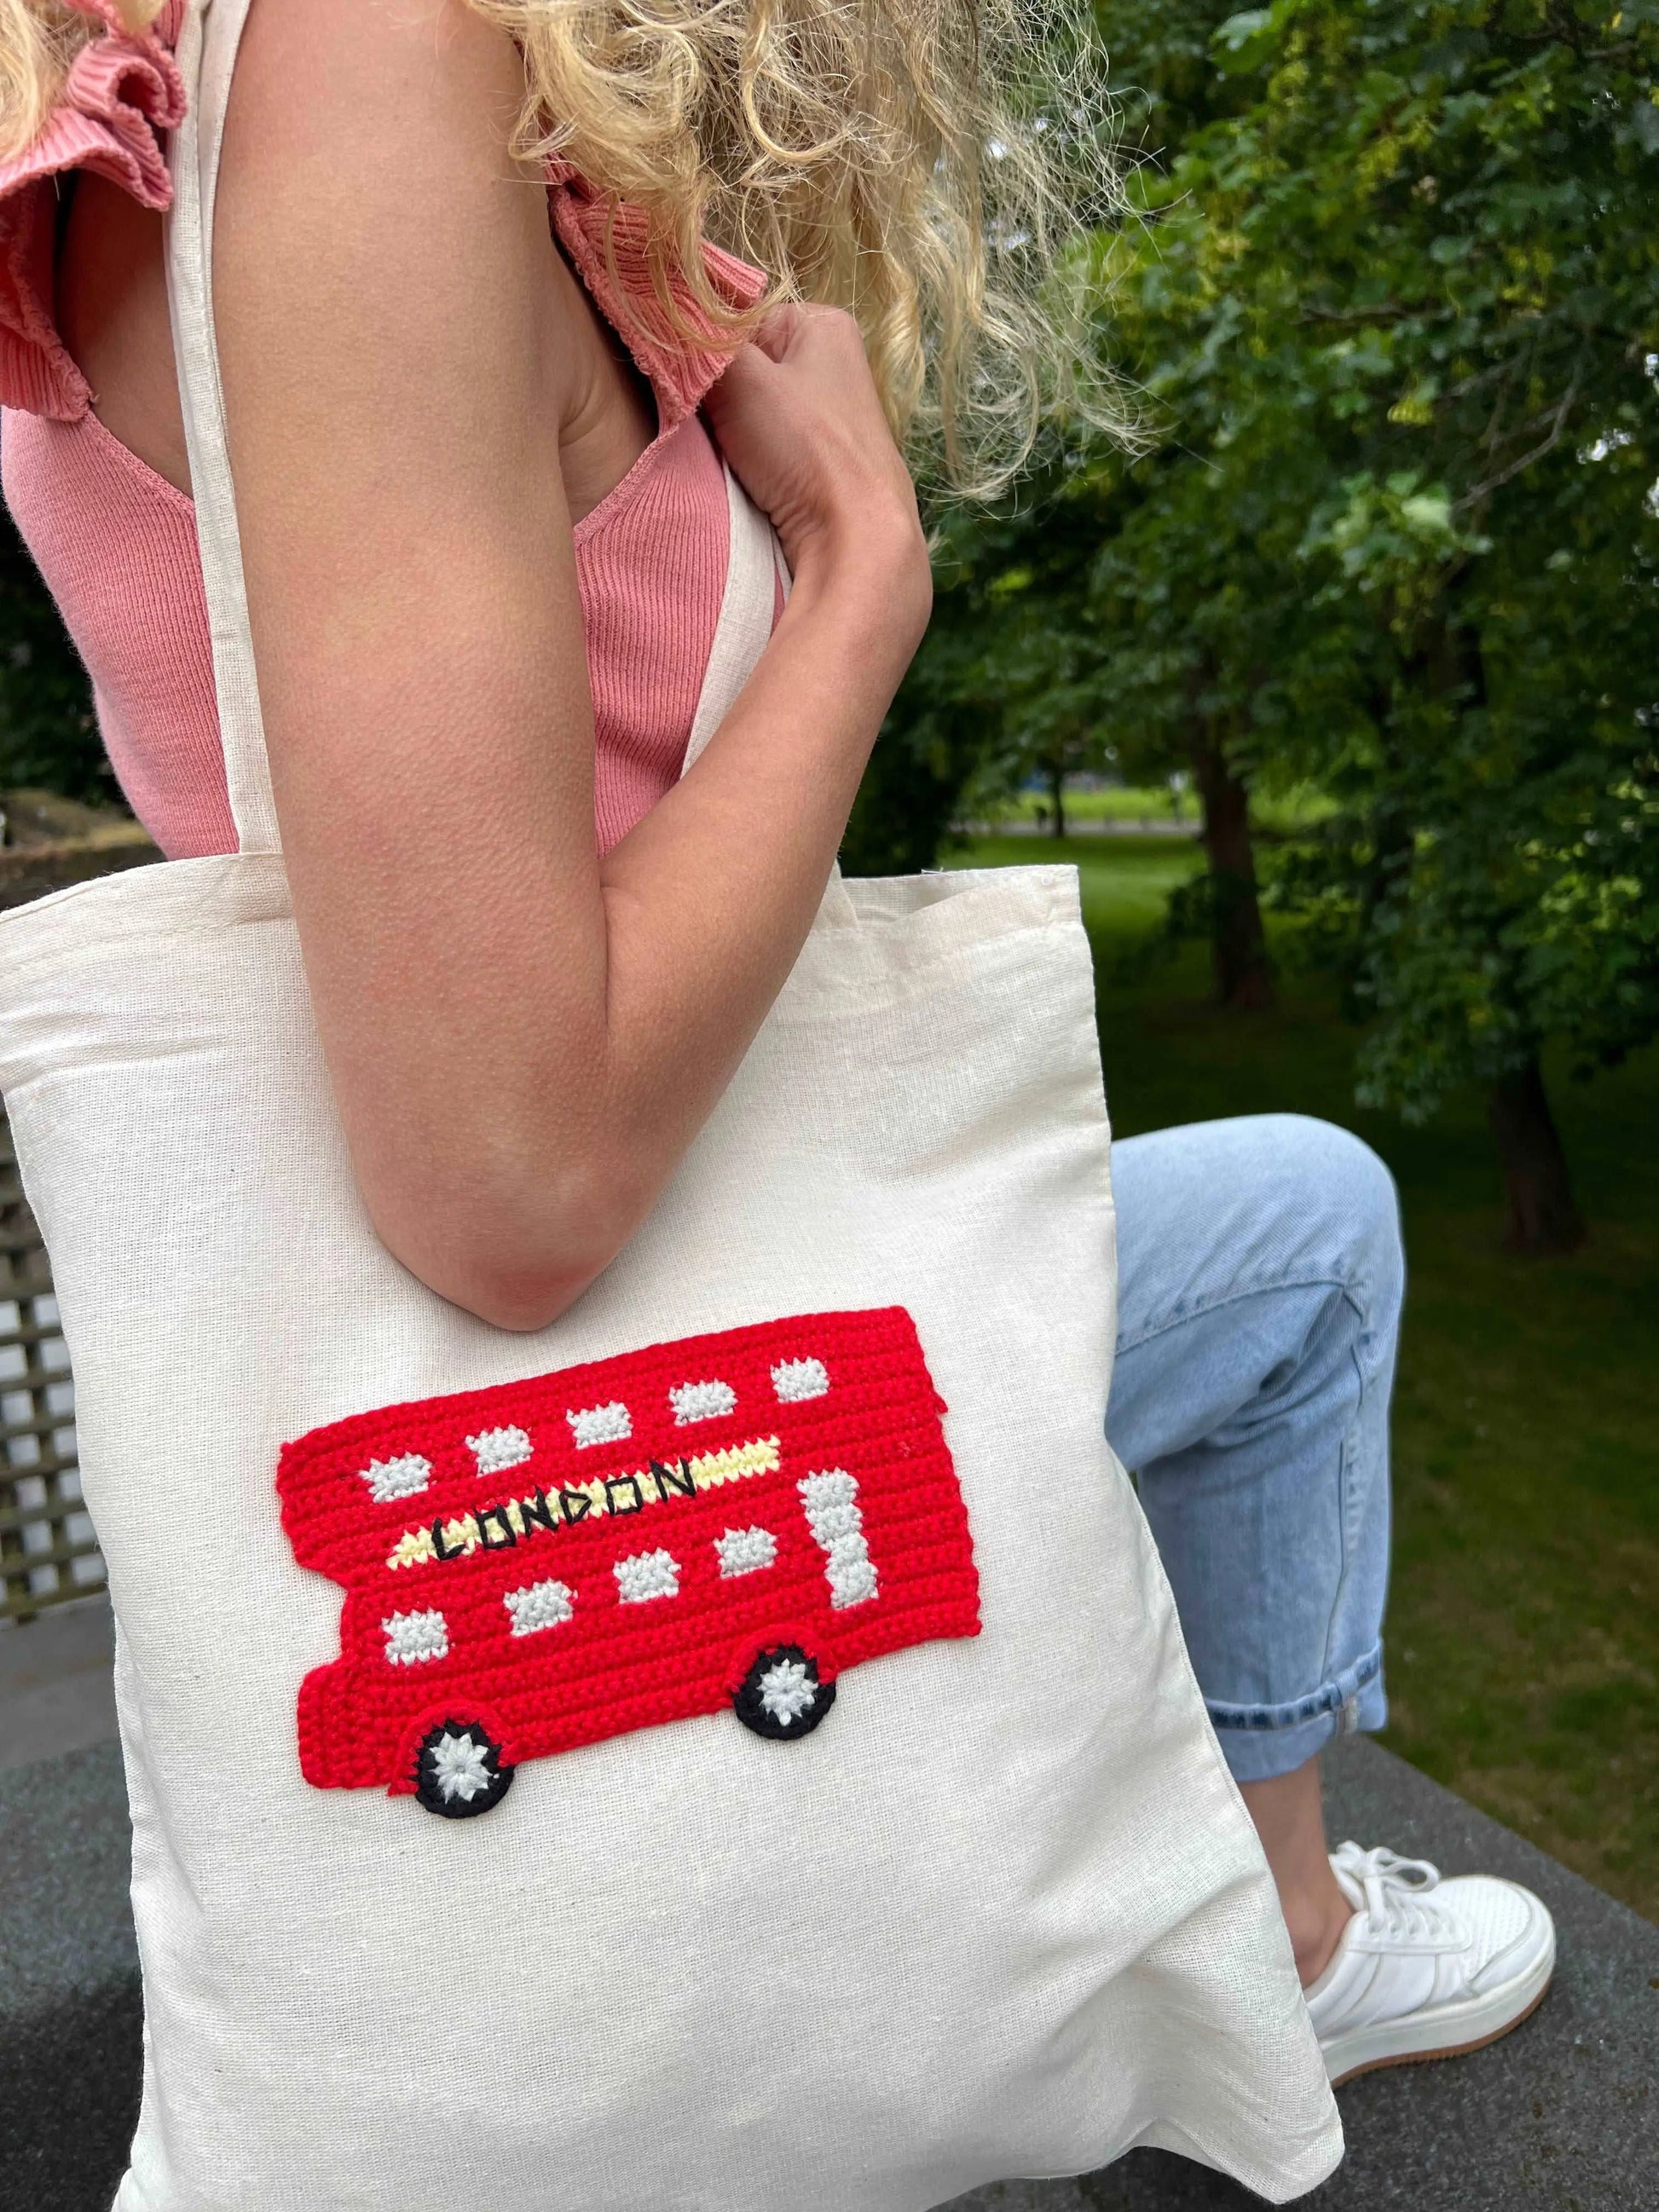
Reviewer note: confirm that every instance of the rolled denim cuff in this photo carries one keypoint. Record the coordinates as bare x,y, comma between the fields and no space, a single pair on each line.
1260,1742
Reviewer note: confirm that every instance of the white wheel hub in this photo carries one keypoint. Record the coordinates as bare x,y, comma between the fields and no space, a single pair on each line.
787,1692
459,1768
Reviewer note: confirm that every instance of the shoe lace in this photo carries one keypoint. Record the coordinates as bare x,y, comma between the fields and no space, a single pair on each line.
1395,1890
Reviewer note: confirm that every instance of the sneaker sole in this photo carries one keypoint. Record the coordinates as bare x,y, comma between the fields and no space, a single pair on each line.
1447,2033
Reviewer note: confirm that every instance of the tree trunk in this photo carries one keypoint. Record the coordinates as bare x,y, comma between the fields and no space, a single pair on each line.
1238,943
1057,793
1541,1214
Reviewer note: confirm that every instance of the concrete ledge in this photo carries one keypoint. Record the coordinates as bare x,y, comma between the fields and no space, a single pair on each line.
70,2016
56,1691
1562,2117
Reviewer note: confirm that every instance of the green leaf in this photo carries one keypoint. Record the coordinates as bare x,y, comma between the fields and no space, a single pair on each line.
1245,41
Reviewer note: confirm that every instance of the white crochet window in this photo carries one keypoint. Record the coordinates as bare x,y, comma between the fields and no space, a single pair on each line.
403,1477
539,1605
832,1499
647,1575
702,1402
496,1449
795,1379
745,1551
411,1638
601,1425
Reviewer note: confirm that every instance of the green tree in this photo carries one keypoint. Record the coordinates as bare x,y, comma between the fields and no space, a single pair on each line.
1416,296
1393,294
48,734
1055,645
1006,686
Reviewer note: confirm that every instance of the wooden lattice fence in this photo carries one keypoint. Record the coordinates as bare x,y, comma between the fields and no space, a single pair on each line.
48,1552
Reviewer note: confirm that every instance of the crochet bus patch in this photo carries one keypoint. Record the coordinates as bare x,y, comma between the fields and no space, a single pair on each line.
731,1520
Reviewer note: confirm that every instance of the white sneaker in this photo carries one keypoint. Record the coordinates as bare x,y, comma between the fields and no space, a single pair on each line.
1425,1968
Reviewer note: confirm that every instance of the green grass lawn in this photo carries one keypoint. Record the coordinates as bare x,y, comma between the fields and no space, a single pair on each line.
1136,803
1523,1626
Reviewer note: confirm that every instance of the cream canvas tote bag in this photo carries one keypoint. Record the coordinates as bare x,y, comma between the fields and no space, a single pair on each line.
866,1838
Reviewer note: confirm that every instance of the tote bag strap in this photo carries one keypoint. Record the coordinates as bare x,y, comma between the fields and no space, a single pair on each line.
207,60
754,570
755,573
207,57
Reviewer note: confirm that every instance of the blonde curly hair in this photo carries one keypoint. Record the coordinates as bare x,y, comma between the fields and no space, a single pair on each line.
929,165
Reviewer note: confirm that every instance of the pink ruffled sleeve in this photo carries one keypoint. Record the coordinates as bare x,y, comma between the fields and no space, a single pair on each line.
607,240
124,94
123,91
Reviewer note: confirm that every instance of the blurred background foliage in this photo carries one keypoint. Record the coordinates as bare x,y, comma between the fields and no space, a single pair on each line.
49,736
1389,290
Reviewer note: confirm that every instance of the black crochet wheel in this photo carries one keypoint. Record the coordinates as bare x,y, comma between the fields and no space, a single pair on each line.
783,1697
458,1771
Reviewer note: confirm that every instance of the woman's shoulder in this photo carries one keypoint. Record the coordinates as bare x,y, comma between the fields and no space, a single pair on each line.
122,92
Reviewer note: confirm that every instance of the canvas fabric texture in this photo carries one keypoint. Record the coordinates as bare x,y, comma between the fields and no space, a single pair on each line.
1002,1914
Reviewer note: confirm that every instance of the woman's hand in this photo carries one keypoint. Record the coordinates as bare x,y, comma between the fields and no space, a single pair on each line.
797,416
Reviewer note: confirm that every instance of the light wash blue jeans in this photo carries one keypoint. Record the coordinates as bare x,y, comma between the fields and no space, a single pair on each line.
1260,1277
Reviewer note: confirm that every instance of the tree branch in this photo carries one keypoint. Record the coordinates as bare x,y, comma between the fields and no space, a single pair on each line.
1556,419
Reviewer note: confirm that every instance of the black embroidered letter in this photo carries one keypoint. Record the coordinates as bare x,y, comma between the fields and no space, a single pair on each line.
677,1480
509,1534
613,1482
536,1512
445,1551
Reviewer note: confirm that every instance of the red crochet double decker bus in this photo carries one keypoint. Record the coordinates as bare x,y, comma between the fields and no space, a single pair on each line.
733,1519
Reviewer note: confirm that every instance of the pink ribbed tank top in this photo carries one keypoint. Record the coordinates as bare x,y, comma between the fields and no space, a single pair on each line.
116,542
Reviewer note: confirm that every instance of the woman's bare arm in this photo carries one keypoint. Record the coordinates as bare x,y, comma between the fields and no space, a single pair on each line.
523,1039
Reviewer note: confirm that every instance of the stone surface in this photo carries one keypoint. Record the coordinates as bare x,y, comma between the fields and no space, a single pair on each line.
56,1693
69,2014
1561,2117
